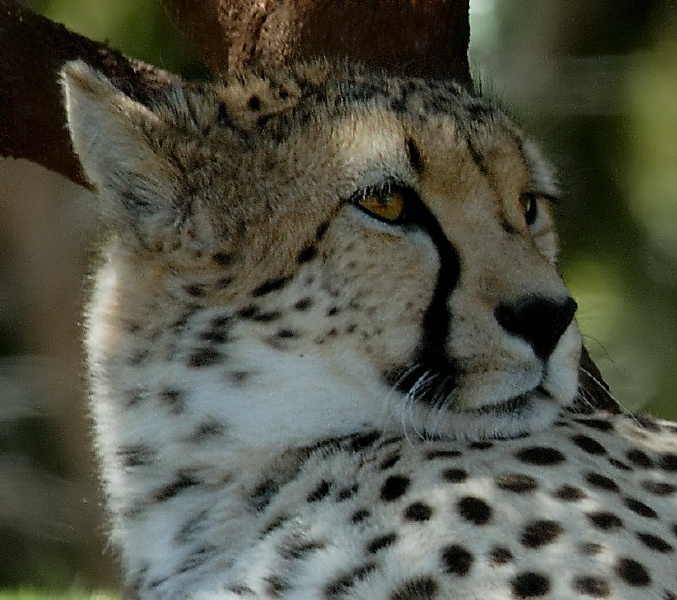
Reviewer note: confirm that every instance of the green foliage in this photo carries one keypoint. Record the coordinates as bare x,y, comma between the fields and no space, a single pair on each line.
141,30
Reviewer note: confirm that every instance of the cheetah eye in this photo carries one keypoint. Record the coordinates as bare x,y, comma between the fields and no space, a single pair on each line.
388,204
529,203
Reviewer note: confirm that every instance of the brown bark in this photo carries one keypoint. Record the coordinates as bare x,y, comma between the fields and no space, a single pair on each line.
413,37
32,119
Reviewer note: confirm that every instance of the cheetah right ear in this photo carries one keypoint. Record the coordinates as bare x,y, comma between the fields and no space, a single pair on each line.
109,131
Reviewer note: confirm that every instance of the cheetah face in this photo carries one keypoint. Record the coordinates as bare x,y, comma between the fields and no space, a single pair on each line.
449,245
378,252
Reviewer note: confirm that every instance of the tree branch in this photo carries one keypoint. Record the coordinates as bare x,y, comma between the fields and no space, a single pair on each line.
32,118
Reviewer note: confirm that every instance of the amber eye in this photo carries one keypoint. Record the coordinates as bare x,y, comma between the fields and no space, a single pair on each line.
529,207
388,205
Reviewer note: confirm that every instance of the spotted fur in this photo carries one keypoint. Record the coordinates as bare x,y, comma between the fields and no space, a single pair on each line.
331,355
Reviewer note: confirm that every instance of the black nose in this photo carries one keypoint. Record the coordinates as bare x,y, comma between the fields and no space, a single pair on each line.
538,321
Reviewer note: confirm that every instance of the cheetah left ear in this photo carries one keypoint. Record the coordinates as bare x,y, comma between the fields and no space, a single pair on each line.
109,131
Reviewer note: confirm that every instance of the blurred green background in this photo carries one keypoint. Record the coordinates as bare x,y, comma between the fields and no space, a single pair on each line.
594,82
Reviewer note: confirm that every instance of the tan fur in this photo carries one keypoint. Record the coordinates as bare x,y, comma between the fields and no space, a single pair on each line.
247,308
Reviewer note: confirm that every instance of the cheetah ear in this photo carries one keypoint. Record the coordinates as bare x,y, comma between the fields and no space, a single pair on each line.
109,131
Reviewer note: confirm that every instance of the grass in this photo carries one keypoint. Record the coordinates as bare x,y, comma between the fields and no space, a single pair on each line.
31,594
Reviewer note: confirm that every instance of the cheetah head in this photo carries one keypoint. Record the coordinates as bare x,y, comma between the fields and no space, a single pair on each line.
320,251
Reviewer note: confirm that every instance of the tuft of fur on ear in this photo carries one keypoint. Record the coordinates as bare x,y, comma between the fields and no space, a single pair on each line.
111,135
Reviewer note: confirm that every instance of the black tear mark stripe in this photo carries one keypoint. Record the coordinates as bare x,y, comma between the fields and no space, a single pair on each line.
430,357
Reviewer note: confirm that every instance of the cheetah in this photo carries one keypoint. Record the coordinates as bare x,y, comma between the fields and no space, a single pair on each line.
331,355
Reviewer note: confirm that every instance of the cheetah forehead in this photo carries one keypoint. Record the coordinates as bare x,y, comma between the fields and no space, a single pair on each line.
310,120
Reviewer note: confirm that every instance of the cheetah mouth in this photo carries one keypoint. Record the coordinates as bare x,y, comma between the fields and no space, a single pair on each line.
514,405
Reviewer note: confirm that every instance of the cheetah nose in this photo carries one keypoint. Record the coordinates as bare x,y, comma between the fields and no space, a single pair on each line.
539,321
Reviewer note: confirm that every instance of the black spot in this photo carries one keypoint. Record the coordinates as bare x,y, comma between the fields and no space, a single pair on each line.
303,304
360,442
224,282
196,558
320,492
457,560
602,482
640,508
589,445
592,586
275,586
500,555
298,550
381,542
530,585
270,285
621,466
264,493
414,156
516,482
241,590
454,475
238,377
360,515
248,311
273,525
443,454
668,461
654,542
191,528
639,458
540,533
197,291
660,488
632,572
267,317
321,231
173,399
540,455
605,520
135,456
254,103
592,548
306,255
183,481
569,493
394,487
475,510
223,259
481,445
204,357
208,429
478,111
341,584
216,336
137,358
389,462
347,493
285,334
421,588
222,114
418,511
